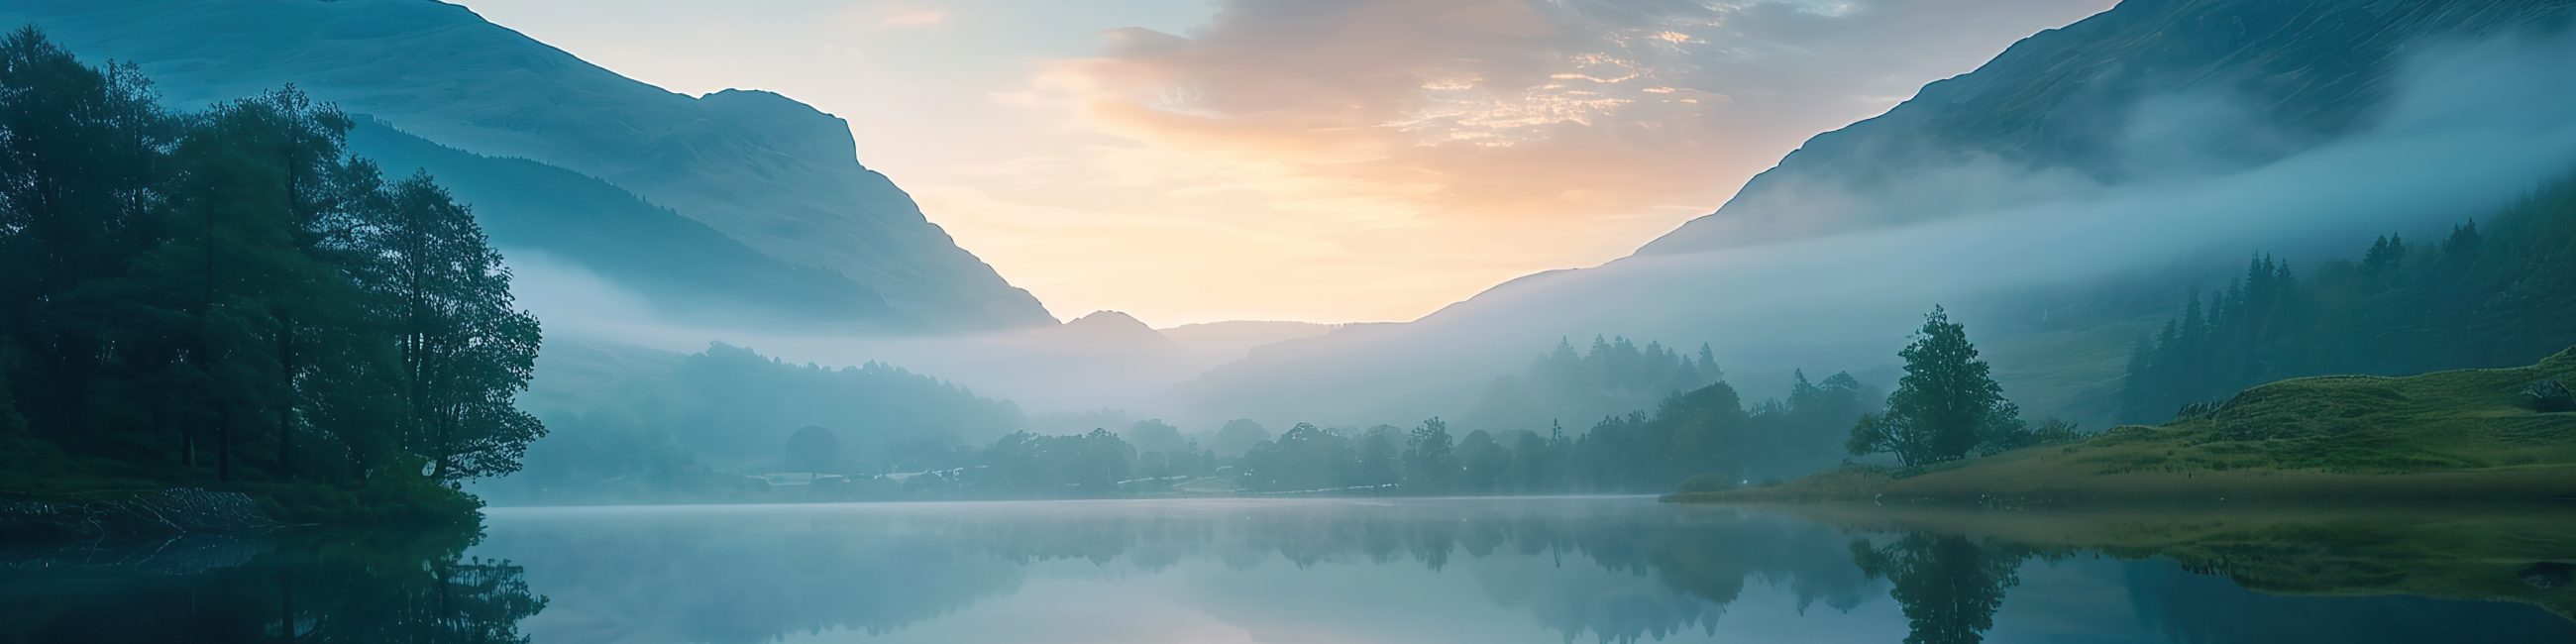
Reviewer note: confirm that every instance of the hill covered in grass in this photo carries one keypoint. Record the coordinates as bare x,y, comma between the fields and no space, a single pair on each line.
2471,434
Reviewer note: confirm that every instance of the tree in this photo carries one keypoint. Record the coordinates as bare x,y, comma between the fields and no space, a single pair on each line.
1428,453
1948,586
1103,460
81,177
1381,456
813,449
1946,402
1533,464
1706,432
1156,436
1304,458
1236,437
229,284
1483,462
466,352
11,423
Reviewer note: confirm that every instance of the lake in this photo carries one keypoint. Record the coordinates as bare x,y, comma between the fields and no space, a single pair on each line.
1543,571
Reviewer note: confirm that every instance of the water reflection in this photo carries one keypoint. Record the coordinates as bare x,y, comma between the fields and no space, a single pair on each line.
1485,570
1618,571
309,589
1950,585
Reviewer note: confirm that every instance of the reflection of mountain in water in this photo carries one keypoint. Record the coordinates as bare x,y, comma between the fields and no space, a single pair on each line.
1596,570
1619,575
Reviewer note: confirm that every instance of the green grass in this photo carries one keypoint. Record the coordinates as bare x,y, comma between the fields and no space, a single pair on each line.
2444,436
2074,373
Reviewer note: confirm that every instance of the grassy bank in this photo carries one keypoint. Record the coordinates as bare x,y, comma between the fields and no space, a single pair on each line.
2452,436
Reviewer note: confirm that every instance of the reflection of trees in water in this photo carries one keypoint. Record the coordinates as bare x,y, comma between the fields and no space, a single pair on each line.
2185,605
1588,570
739,581
411,592
2379,575
1950,586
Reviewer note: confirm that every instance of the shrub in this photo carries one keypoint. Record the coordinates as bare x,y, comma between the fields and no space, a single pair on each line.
2549,396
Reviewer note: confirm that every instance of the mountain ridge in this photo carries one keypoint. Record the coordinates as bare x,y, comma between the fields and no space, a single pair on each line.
2031,108
775,175
1677,291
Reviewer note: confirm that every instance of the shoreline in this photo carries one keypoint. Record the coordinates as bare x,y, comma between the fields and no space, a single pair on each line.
1979,487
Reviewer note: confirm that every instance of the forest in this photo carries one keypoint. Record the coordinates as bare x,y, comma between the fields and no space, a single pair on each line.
228,298
2491,295
710,426
1611,377
1702,431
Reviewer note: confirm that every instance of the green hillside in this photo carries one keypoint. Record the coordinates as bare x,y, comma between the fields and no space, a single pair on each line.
2470,434
2321,70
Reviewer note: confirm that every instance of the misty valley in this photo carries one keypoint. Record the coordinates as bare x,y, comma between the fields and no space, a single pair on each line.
1613,321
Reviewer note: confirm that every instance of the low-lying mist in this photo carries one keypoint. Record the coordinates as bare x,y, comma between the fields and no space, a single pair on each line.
2469,127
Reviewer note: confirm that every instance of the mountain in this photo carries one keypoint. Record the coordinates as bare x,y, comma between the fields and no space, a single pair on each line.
1114,333
528,206
2053,198
773,175
2147,89
1233,340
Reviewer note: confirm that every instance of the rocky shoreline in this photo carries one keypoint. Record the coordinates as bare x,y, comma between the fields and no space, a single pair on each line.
158,513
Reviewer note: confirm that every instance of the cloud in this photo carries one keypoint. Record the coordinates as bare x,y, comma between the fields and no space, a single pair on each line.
1430,149
904,17
1484,110
2470,128
914,18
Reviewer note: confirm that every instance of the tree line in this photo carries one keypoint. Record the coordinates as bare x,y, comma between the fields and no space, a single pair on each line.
1610,377
1704,430
1947,406
231,295
674,429
2491,295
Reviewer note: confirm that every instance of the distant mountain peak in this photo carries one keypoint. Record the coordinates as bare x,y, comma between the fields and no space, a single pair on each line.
1110,320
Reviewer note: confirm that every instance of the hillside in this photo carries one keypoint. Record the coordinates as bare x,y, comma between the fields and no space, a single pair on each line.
528,206
1234,340
772,174
2231,84
2031,199
2453,435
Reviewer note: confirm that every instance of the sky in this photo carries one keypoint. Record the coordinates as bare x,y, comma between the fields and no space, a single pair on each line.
1192,161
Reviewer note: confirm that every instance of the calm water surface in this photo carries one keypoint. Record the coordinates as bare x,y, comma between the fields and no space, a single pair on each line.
1329,570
